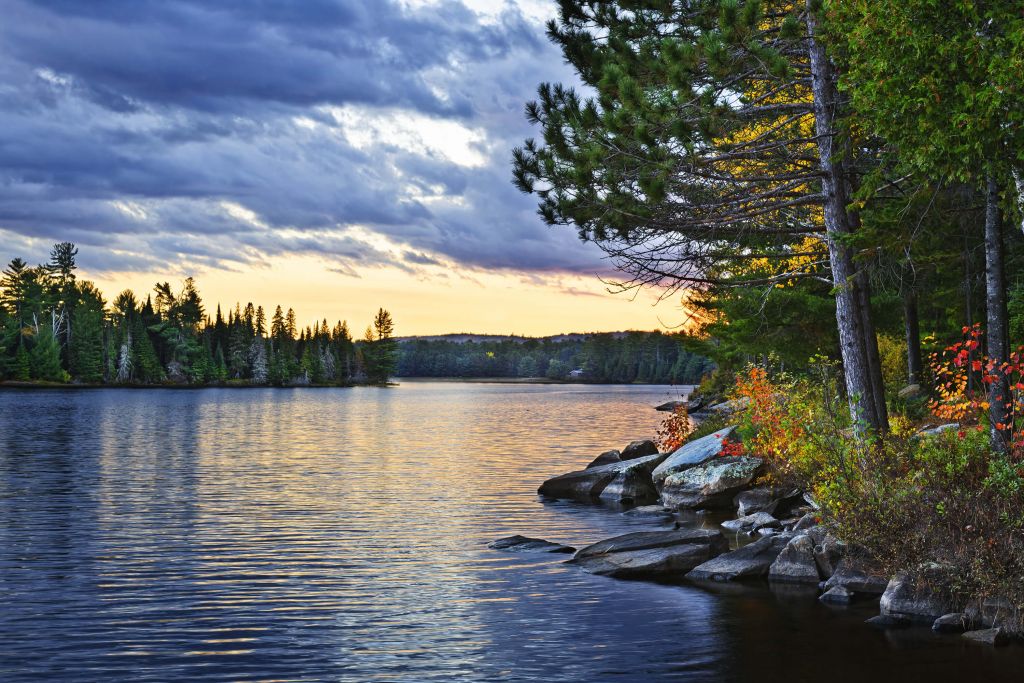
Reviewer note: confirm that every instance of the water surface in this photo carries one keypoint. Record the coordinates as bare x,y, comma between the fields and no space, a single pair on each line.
340,535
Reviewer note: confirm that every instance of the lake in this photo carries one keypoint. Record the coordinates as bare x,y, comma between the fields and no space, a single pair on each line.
340,535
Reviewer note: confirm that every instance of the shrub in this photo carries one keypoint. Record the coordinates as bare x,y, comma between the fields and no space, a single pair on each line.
675,430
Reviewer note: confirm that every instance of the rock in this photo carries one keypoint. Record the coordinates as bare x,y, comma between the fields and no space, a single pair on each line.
795,564
754,522
711,485
638,449
901,598
730,407
645,554
988,636
694,404
837,596
627,479
957,622
691,454
606,458
808,521
852,577
779,502
526,544
767,531
827,554
995,611
909,391
655,511
750,561
935,431
672,405
886,621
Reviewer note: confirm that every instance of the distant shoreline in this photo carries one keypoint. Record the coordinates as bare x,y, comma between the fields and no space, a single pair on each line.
12,384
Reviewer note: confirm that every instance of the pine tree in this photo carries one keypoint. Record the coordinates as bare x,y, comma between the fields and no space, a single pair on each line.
44,357
22,369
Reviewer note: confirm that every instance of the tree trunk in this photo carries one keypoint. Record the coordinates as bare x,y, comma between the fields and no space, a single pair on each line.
871,351
996,336
915,366
849,302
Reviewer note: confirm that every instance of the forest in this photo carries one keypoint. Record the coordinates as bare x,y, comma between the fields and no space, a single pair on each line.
619,358
835,191
57,328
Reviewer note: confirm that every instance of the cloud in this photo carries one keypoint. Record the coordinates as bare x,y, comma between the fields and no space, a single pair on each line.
221,133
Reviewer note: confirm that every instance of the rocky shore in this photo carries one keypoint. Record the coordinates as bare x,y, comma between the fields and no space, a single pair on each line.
775,535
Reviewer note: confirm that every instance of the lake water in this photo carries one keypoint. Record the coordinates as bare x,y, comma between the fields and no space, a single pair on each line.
340,535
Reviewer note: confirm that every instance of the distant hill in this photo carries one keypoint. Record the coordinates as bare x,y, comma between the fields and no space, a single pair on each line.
463,337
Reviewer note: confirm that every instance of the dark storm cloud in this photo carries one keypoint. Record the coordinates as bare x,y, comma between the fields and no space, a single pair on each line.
223,132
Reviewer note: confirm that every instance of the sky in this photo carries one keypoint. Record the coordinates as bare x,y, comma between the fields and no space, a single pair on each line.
334,156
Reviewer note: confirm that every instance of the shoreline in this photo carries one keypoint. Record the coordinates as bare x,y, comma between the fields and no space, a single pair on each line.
14,384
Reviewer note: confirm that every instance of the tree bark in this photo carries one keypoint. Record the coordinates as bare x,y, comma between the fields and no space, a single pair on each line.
996,336
912,327
850,316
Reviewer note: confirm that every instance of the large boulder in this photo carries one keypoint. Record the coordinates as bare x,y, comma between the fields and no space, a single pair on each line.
630,481
750,523
519,543
651,554
691,454
750,561
796,564
849,574
828,552
773,500
638,449
731,407
903,599
711,485
606,458
670,406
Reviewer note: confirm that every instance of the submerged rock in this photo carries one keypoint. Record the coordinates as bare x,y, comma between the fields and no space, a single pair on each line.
886,621
988,636
903,599
519,543
638,449
628,481
750,561
691,454
837,596
957,622
754,522
713,484
606,458
796,564
651,554
654,511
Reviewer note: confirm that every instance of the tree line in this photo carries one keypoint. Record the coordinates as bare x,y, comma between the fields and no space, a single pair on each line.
817,177
57,328
641,357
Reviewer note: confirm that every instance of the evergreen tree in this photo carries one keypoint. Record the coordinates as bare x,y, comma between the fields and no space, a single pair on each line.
86,353
44,357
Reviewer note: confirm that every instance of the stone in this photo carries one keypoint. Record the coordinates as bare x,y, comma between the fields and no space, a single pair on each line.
638,449
628,479
526,544
886,621
956,622
808,521
754,522
651,554
711,485
837,596
654,511
851,576
606,458
901,598
731,407
909,391
779,502
670,406
935,431
795,564
691,454
828,552
995,611
749,562
988,636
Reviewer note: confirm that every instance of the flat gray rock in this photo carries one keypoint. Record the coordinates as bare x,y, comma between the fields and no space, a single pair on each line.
957,622
754,522
691,454
902,599
526,544
795,564
988,636
750,561
852,577
651,554
629,477
653,511
711,485
606,458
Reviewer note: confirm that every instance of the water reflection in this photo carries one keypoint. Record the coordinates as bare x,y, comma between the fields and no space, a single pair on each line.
340,535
